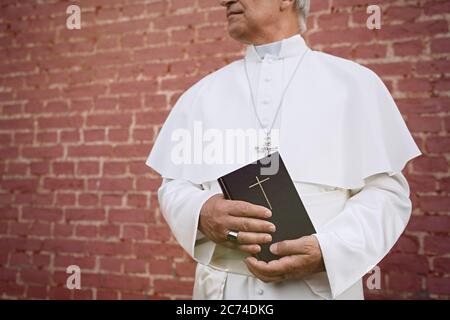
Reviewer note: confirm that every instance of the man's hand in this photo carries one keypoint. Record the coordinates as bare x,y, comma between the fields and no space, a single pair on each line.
299,257
219,216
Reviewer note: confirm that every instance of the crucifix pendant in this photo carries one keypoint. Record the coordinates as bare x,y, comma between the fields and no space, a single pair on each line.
267,146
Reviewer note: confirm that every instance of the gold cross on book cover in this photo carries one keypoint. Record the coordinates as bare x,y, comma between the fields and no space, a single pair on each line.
267,183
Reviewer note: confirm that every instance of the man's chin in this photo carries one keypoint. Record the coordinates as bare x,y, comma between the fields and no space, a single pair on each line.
237,32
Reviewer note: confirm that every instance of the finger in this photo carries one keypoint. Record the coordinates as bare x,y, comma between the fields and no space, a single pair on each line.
290,247
273,268
255,271
293,266
253,238
262,276
247,209
253,249
251,225
247,248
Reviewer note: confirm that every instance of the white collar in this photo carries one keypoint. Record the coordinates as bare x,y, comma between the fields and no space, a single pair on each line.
293,46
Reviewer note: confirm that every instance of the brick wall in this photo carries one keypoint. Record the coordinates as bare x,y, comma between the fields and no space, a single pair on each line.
81,108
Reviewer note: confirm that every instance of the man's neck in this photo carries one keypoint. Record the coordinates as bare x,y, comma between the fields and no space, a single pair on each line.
275,34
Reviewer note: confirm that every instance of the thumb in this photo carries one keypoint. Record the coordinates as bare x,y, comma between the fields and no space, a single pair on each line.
291,247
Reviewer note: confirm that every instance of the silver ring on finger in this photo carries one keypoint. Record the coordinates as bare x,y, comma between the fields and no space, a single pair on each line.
233,236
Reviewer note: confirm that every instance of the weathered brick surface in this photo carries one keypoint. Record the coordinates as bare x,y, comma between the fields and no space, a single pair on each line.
80,110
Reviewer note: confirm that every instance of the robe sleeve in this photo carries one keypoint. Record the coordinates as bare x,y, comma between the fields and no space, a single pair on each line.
180,202
363,233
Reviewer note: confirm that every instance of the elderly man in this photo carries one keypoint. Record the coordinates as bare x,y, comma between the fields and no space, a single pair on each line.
341,137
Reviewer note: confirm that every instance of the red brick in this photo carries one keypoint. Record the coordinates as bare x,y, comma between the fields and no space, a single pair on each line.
59,294
109,120
148,184
63,230
425,124
173,287
107,295
133,232
83,294
70,136
16,124
108,248
137,201
12,289
406,30
111,200
37,292
408,48
85,263
43,152
161,250
402,262
403,12
436,244
130,283
63,183
131,150
131,215
88,168
95,135
135,266
114,168
60,122
370,51
85,214
90,151
333,21
111,264
17,168
159,233
88,199
118,135
111,184
109,231
186,269
436,204
62,168
407,244
438,144
47,214
414,85
404,282
430,164
441,265
41,260
86,231
438,285
430,223
440,45
35,276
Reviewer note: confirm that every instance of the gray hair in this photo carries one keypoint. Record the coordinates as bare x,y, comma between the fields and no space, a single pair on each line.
303,8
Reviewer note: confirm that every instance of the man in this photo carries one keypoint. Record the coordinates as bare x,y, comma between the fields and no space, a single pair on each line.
341,137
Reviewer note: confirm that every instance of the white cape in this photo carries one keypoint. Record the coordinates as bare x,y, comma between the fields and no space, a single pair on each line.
339,124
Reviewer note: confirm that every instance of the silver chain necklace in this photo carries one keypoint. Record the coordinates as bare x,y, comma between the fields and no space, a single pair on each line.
267,146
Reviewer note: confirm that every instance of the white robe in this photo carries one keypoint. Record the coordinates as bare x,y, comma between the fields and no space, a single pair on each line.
344,144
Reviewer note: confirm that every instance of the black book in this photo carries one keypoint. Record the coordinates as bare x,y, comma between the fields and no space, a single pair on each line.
266,182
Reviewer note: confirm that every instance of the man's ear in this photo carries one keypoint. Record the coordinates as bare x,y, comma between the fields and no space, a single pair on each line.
286,4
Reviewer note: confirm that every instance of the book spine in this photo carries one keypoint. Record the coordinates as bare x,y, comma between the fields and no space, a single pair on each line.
224,188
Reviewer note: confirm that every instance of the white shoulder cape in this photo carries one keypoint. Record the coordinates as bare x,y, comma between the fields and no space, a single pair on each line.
339,124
